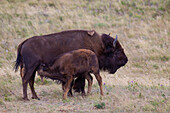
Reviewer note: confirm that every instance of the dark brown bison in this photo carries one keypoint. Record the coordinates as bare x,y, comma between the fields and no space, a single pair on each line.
44,49
71,65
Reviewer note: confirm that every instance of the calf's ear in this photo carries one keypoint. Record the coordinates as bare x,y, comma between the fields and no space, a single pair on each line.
91,32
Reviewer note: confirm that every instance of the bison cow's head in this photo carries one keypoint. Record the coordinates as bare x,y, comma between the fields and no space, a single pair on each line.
113,56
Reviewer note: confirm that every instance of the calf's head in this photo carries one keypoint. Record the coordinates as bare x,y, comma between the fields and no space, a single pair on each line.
113,56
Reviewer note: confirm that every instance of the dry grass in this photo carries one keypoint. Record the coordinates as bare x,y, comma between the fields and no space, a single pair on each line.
143,28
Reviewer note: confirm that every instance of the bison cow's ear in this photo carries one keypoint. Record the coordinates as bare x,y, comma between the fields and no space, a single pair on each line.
91,32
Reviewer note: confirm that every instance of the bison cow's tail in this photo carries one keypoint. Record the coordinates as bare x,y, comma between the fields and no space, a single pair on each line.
18,60
19,57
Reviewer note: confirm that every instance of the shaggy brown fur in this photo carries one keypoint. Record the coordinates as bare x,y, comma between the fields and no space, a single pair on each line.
71,65
44,49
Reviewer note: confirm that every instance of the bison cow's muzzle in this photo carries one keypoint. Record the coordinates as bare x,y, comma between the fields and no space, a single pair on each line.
123,62
119,64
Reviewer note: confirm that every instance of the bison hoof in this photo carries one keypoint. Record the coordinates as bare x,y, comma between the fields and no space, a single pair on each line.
70,95
36,98
25,99
83,94
102,94
64,99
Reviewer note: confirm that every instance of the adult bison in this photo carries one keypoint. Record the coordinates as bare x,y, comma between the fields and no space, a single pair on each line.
43,49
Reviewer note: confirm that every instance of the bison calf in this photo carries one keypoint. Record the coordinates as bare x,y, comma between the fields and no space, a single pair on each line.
73,64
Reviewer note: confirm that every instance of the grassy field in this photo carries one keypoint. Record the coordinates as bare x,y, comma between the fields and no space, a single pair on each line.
143,29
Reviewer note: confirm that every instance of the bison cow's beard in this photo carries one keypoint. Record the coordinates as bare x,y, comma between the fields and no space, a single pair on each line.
111,64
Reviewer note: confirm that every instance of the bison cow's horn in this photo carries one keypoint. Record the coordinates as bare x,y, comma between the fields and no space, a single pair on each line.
114,42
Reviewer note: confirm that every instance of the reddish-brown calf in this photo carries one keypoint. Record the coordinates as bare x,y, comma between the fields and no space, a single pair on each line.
71,65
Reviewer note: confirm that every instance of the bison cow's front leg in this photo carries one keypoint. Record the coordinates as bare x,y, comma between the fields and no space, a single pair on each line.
67,86
99,80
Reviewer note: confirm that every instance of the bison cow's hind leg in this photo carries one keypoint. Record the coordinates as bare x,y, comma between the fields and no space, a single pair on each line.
31,83
24,82
28,77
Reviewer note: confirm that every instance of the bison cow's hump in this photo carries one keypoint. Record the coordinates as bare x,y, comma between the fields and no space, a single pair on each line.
68,33
66,41
47,47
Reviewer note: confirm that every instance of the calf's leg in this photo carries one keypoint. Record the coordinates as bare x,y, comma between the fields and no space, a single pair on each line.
67,86
70,91
90,81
